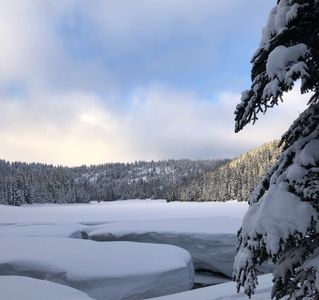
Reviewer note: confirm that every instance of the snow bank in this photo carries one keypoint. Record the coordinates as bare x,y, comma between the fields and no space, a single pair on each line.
211,241
207,230
118,270
225,291
21,288
42,230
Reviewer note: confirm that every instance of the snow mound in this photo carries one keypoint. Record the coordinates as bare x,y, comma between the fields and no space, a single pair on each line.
225,291
105,271
210,241
21,288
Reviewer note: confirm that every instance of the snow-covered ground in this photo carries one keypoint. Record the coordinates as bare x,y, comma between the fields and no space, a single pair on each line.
119,211
225,291
206,230
20,287
68,230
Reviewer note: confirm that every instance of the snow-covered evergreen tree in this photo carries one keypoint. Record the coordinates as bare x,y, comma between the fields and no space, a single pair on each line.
282,221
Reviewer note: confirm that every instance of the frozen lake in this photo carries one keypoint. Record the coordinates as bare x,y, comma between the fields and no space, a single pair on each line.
207,230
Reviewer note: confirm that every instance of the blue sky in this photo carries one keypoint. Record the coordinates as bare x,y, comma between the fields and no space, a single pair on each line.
123,80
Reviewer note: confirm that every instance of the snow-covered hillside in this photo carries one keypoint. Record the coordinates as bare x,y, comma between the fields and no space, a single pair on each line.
22,183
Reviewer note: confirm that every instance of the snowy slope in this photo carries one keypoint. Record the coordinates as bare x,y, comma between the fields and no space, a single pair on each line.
105,271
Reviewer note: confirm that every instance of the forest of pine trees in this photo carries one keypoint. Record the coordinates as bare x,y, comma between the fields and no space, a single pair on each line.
234,180
185,180
22,183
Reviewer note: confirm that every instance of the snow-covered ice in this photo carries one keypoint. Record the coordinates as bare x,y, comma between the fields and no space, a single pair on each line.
206,229
117,270
225,291
42,230
211,241
118,211
22,288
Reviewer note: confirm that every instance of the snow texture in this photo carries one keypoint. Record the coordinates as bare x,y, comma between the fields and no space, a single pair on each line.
278,215
278,20
210,241
42,230
92,214
206,229
225,291
281,57
283,212
22,288
282,65
105,271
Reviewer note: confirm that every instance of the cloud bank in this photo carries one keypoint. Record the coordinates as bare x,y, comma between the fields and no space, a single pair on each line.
79,128
85,82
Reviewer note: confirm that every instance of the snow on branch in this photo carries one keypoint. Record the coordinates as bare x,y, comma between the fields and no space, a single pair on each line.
289,50
282,221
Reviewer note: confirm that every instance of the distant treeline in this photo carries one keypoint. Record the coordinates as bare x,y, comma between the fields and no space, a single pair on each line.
22,183
185,180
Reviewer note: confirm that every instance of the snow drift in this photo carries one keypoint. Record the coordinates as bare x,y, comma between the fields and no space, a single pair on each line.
21,288
225,291
105,271
211,241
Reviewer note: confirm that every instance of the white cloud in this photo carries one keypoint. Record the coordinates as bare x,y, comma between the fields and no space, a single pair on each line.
173,124
78,128
68,129
34,53
29,44
71,113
